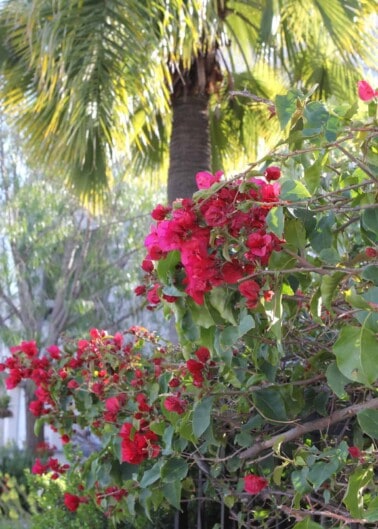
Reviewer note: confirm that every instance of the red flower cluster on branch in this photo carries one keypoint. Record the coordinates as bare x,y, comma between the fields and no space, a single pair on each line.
222,237
138,445
254,484
72,501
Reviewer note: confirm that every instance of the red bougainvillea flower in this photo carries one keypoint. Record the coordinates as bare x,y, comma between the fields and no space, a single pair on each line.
250,290
272,173
29,348
113,492
365,91
39,468
175,404
54,352
137,445
354,451
199,369
113,404
203,354
195,369
201,229
140,290
147,266
174,382
371,252
72,501
268,295
232,272
153,296
160,212
14,378
36,407
254,484
205,180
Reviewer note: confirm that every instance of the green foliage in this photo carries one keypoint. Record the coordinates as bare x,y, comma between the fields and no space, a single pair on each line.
119,60
49,509
14,461
15,500
277,387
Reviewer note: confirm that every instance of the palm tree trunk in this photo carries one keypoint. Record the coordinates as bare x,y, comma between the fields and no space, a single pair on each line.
190,150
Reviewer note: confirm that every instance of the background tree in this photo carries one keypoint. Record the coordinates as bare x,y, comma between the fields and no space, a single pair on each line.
60,269
84,78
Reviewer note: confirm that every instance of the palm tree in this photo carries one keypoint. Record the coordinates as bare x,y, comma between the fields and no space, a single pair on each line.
85,79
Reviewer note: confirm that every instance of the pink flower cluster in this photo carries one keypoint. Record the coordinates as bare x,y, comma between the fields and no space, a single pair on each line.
222,237
366,92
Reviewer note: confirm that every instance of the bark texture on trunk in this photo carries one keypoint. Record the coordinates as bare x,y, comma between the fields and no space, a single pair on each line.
190,149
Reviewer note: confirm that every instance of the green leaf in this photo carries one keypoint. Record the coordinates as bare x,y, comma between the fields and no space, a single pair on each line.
357,354
189,328
167,439
173,291
353,498
369,220
371,514
316,306
322,237
172,493
315,117
280,261
220,299
228,337
322,470
231,334
333,128
370,273
202,416
292,190
275,220
295,233
165,268
337,381
39,422
151,475
246,324
329,256
312,174
270,404
299,480
329,286
175,469
130,502
229,500
369,318
368,421
200,314
355,300
307,523
286,105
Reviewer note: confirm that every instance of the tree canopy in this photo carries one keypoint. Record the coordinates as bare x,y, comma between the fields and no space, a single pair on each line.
85,79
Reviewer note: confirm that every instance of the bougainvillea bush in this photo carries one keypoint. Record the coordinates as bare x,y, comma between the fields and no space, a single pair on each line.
266,410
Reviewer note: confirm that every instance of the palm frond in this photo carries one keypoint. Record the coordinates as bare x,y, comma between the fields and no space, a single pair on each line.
81,63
